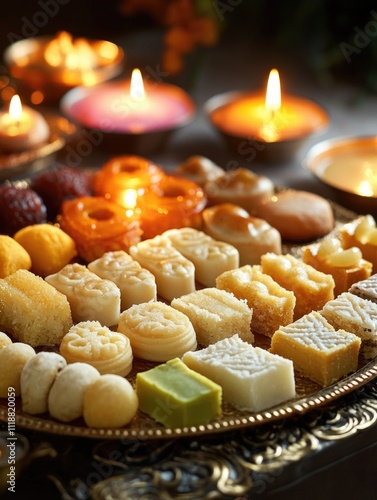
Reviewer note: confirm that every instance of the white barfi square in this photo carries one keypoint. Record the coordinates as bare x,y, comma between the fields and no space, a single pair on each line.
252,379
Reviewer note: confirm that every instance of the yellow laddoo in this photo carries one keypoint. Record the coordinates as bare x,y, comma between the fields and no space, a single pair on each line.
49,247
13,256
4,340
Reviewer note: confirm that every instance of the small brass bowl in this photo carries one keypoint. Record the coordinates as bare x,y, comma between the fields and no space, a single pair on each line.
348,165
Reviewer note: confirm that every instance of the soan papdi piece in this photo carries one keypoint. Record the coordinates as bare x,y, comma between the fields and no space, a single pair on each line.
90,342
90,297
37,378
215,315
210,257
175,275
136,284
157,331
312,288
272,304
33,311
317,350
252,378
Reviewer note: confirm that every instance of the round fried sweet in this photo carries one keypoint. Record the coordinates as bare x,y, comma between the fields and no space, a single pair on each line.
13,358
110,402
65,400
13,256
49,247
97,345
37,377
97,226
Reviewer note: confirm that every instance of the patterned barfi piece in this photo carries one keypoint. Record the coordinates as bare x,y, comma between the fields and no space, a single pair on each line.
366,289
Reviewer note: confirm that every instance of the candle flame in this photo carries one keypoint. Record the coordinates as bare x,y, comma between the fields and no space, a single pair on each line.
15,108
71,54
137,86
273,93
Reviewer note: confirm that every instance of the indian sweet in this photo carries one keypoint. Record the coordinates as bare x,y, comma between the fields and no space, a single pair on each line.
176,396
110,401
312,288
13,256
174,274
136,284
361,233
252,236
346,266
367,289
66,396
210,257
297,215
4,340
199,169
49,247
37,377
251,378
241,184
216,314
157,331
318,351
95,344
97,226
272,304
357,315
90,297
33,311
13,358
173,202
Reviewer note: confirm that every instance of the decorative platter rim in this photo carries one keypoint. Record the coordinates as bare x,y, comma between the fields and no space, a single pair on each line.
145,428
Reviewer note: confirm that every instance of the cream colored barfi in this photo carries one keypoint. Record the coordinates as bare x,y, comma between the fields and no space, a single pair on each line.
90,297
346,266
209,256
216,314
157,331
136,284
312,288
272,304
174,274
318,351
251,378
357,315
366,289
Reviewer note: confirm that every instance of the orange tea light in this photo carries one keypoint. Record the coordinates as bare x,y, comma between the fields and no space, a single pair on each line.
268,118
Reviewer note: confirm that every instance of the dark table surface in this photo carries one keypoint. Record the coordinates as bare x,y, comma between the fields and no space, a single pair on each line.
327,452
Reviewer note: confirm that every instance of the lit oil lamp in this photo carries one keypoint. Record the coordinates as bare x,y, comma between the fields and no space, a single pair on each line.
22,128
134,115
275,125
47,67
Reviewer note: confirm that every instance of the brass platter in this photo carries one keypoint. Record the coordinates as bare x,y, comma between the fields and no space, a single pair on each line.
309,396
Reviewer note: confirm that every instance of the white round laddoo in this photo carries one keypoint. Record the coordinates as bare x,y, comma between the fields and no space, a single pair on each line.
110,402
37,378
13,358
65,400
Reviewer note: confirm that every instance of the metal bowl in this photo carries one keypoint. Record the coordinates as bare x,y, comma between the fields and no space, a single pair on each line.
348,165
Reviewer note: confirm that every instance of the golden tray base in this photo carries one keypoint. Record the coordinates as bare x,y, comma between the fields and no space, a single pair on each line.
309,396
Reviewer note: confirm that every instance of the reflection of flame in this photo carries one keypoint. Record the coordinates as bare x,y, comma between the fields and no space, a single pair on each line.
365,189
71,54
273,93
129,200
15,108
137,86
